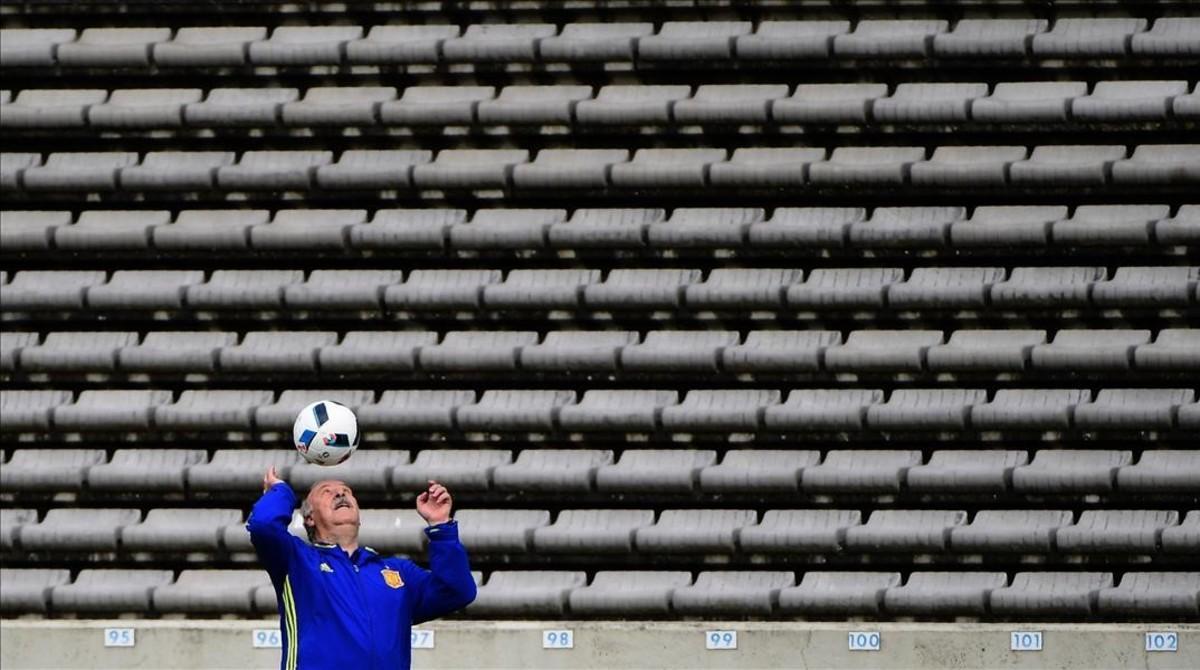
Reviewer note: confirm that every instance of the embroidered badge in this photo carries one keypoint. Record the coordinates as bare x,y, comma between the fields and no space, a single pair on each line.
392,578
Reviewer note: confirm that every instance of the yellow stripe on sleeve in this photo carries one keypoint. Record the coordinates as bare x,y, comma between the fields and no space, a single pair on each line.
289,617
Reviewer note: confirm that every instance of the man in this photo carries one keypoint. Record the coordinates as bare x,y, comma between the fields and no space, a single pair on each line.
344,606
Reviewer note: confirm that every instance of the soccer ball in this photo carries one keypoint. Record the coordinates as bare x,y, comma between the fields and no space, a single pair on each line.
326,432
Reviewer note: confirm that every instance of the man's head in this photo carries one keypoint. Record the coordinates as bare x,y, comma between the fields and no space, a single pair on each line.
330,512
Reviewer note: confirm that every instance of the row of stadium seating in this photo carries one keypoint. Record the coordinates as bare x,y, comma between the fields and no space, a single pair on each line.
964,472
591,169
548,410
736,228
603,42
583,106
624,594
565,352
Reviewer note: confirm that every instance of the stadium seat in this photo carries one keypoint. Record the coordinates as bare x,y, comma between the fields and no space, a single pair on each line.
95,171
29,410
526,593
495,229
176,171
239,107
967,167
591,42
465,469
339,106
965,471
1040,595
1161,594
945,288
766,351
1028,102
885,38
576,351
209,230
281,415
393,530
694,531
11,519
172,352
865,166
1136,409
303,45
1172,349
919,531
1025,531
925,409
617,411
144,470
833,409
75,352
51,108
238,470
637,593
757,471
1087,37
472,169
1029,409
31,230
111,230
1169,36
155,290
534,105
500,531
1125,101
742,288
568,169
39,470
1153,164
677,351
69,529
1064,471
765,167
943,593
1006,226
825,594
866,351
988,38
431,410
540,290
592,531
273,170
1046,286
859,471
1089,350
666,168
1146,287
1161,470
719,410
828,103
552,470
434,105
110,410
179,530
210,591
399,44
729,104
710,227
1111,531
369,169
276,351
137,108
1066,166
243,289
916,103
405,229
108,590
663,470
626,289
843,288
11,347
604,228
13,165
440,290
111,47
789,531
341,289
624,105
28,589
367,351
512,410
731,593
219,46
25,47
1125,225
789,40
815,227
310,230
503,43
366,473
1183,538
692,40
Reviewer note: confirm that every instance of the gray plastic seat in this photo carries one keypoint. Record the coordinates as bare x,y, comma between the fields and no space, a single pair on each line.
111,47
304,45
1007,225
1061,166
664,470
1161,470
209,591
1170,36
1087,37
28,590
51,108
13,165
280,415
232,107
469,169
850,593
1133,409
828,103
495,229
592,531
925,409
526,593
1125,101
475,351
1055,471
861,471
945,288
273,170
368,471
722,227
704,531
11,520
369,169
604,228
367,351
508,410
820,409
32,47
729,104
465,469
110,410
1170,594
889,530
569,168
799,530
929,103
179,530
625,289
1028,531
212,410
1184,538
789,40
944,593
169,351
144,290
720,410
905,227
627,104
1090,350
499,43
392,530
341,289
1029,409
36,290
778,351
1146,286
552,470
567,351
804,227
405,229
692,40
31,230
677,350
742,288
29,410
209,230
11,345
284,351
1111,531
966,471
882,350
337,106
758,470
610,42
40,470
1109,224
862,166
76,352
1046,287
395,44
143,108
541,105
309,229
731,593
239,470
435,105
219,46
888,38
176,170
109,590
1043,595
765,167
500,531
111,230
666,168
1028,102
1172,349
144,470
415,410
243,289
1160,164
988,38
628,593
75,529
967,167
617,411
96,171
844,288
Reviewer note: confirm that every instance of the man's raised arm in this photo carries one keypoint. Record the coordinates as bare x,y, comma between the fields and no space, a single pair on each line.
447,585
268,523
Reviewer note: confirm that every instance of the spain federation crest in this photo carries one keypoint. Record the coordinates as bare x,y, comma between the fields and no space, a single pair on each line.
392,578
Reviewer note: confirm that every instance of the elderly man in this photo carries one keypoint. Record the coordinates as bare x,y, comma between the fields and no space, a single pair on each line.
344,606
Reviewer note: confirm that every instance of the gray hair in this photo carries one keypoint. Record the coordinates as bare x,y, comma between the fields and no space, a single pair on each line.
305,513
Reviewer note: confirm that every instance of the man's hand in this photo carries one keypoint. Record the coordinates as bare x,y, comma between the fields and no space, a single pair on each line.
434,504
270,479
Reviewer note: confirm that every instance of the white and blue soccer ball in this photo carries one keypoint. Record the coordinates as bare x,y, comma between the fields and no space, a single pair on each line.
326,432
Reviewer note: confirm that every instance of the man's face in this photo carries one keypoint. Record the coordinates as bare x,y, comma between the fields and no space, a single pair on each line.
333,504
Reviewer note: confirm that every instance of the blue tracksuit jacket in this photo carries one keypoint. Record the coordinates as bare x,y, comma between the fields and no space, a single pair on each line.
344,612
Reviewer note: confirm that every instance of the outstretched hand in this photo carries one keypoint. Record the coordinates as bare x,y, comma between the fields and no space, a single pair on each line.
270,479
434,504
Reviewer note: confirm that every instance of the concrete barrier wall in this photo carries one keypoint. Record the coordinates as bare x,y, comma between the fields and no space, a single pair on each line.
612,645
